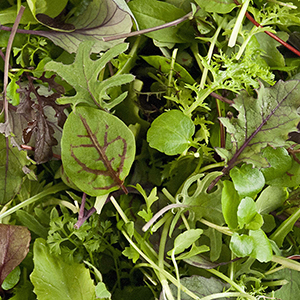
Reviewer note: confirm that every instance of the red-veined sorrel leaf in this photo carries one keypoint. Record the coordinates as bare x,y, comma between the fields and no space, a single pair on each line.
98,150
264,121
102,18
14,247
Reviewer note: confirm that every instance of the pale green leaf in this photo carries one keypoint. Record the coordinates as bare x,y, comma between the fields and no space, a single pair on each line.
262,250
241,245
171,132
217,6
83,76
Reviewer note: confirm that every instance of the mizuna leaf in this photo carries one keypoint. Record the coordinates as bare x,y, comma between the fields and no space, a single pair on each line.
14,247
102,18
83,76
98,150
265,121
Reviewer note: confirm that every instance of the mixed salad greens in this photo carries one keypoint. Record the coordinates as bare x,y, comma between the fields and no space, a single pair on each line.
149,149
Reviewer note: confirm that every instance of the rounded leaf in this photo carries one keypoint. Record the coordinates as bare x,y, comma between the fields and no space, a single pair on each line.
241,245
248,181
279,160
171,132
98,150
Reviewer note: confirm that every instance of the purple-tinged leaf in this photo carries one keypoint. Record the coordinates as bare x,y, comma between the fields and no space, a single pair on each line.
14,247
12,166
102,18
265,121
98,150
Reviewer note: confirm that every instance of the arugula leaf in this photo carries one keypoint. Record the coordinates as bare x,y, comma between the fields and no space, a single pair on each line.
264,121
102,18
98,150
83,76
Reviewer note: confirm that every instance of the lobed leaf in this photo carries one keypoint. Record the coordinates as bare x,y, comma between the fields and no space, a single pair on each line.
83,76
98,150
265,121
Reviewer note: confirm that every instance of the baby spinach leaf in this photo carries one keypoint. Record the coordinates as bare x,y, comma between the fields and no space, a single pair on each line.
13,248
247,181
154,13
102,18
98,150
264,121
171,132
217,6
53,278
83,76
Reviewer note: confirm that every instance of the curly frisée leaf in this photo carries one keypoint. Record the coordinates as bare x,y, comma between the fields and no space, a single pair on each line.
98,150
265,121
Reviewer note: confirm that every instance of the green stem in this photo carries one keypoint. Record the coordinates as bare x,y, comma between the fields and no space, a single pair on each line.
212,166
198,101
209,55
238,24
161,257
228,294
52,190
286,262
174,54
283,4
224,230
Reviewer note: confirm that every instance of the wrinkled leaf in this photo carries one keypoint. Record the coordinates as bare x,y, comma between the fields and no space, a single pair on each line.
14,247
83,76
13,164
154,13
102,18
53,278
200,286
247,181
264,121
163,64
217,6
98,150
171,132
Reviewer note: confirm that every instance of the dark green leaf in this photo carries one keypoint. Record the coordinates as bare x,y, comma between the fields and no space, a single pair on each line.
98,150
